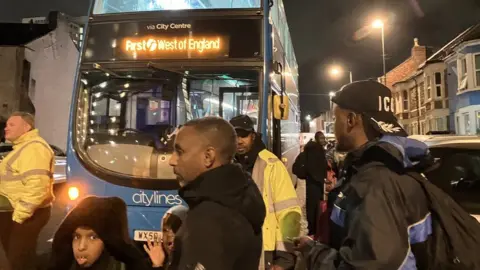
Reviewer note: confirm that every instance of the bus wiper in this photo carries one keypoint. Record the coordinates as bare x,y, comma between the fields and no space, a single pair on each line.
182,73
99,67
197,77
116,76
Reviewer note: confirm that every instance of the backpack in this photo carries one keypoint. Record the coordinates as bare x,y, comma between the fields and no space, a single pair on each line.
299,167
455,233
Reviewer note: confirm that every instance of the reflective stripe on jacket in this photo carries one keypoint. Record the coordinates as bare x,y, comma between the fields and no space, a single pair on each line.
282,222
26,175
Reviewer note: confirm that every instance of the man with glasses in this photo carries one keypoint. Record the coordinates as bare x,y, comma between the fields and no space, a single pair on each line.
282,222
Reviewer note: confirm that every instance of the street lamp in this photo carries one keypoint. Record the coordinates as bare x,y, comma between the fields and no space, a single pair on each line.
331,95
308,118
378,24
336,71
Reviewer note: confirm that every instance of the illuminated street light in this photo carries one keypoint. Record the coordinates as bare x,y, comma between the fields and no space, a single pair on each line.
308,118
331,94
337,71
378,24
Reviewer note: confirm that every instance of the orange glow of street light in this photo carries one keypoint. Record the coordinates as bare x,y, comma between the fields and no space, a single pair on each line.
335,71
377,24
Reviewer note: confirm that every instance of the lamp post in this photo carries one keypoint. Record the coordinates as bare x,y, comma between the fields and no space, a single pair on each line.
378,24
331,95
337,71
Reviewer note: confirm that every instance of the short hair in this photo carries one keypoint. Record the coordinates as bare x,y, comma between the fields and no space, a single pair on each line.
319,135
219,133
371,133
27,117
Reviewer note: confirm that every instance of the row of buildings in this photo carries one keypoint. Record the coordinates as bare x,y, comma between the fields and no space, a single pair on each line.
38,60
440,90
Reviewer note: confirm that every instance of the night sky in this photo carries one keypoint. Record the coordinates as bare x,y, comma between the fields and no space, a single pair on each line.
331,31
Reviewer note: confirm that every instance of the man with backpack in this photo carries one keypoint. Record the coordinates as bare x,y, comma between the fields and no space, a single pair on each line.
311,165
380,218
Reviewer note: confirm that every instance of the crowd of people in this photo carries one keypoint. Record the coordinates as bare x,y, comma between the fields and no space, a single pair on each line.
372,209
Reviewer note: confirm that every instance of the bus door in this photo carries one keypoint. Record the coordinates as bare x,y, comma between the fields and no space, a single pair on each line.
239,100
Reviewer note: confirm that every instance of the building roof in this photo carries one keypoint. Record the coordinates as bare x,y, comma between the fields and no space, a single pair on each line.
471,33
19,34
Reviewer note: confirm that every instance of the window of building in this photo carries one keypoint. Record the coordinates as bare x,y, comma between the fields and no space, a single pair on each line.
457,124
466,123
477,70
440,122
405,100
477,118
429,88
414,128
422,90
422,127
438,84
463,83
431,125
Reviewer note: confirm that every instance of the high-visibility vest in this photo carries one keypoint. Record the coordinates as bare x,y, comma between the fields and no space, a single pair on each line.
26,176
282,221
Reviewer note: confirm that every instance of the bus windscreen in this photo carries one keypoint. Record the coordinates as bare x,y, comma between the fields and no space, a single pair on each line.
128,6
125,119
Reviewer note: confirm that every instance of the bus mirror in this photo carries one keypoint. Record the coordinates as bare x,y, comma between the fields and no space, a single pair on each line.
280,108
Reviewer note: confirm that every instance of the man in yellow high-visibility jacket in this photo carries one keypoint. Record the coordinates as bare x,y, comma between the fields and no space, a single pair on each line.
26,190
282,222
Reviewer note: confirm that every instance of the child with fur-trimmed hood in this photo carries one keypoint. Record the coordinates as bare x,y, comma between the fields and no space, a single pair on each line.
94,236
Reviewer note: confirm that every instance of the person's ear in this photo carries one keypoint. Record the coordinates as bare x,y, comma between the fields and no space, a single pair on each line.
209,157
351,119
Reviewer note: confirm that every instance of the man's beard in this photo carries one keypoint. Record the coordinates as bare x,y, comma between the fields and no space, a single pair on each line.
343,144
181,181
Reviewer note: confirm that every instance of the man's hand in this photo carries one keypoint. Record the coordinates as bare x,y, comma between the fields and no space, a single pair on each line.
156,253
303,244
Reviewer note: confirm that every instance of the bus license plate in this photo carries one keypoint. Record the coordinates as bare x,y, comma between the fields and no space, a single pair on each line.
147,235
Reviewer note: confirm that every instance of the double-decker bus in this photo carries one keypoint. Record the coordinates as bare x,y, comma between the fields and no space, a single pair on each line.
148,66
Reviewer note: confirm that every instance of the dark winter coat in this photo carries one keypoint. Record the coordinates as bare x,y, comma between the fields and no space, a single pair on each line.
223,228
316,163
108,218
380,218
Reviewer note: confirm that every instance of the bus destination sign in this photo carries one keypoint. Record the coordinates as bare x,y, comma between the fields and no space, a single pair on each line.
196,39
176,47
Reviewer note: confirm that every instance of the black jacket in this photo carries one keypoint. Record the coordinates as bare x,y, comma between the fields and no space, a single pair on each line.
223,228
248,160
108,218
380,218
316,163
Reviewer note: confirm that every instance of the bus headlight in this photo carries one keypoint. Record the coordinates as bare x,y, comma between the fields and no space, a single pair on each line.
73,193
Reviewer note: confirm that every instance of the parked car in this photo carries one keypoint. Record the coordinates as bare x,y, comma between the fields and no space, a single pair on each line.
458,168
59,175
